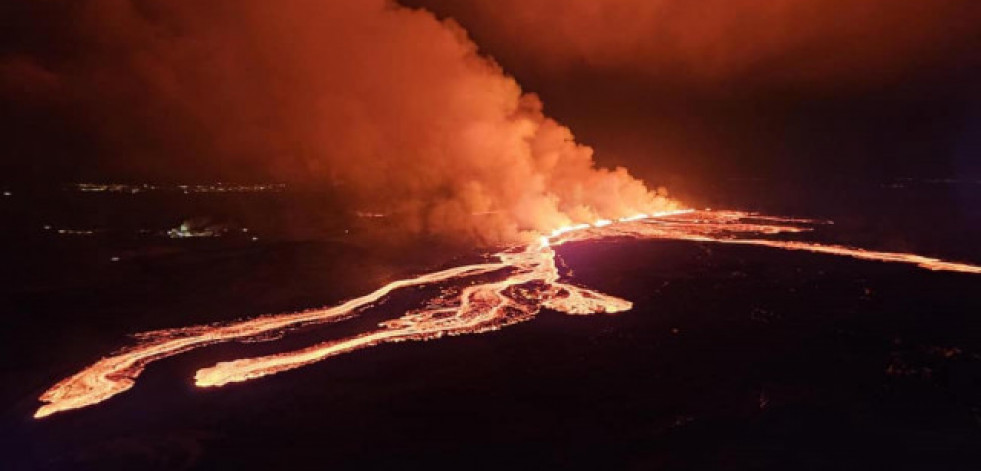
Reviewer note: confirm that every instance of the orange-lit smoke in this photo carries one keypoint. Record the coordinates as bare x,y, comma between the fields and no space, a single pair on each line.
801,43
389,106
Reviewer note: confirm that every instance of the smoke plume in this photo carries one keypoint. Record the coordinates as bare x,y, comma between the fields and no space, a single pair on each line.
766,43
390,106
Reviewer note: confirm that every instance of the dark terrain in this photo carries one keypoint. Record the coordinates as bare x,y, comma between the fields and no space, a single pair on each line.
733,357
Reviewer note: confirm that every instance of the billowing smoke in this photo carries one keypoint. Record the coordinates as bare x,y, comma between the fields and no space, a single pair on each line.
388,105
794,43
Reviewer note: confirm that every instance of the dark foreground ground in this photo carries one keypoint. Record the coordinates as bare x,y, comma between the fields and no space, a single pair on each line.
733,358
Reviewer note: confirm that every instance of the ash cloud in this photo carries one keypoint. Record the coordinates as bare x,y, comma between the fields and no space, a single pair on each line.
764,43
390,106
700,94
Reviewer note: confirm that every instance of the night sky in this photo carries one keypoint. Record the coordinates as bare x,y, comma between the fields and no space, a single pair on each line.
680,92
780,200
702,91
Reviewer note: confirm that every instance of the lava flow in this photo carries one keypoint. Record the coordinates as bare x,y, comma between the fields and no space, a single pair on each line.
481,297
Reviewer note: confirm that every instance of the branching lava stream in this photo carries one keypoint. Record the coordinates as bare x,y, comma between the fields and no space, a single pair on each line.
523,281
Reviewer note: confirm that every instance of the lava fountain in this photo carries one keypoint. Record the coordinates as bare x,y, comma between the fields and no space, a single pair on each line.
482,297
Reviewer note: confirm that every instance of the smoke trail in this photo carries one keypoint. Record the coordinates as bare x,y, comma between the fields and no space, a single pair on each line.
391,107
800,43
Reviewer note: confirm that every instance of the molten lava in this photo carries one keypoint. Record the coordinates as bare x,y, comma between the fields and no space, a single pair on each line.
483,297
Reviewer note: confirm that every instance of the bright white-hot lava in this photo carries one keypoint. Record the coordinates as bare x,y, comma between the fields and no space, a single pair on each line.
479,298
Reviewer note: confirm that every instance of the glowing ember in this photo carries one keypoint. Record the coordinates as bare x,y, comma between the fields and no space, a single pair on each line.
486,297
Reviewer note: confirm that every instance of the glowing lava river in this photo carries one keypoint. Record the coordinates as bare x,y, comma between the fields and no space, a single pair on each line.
482,297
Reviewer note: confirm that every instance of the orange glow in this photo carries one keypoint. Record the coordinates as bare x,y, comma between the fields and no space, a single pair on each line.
117,373
481,297
532,284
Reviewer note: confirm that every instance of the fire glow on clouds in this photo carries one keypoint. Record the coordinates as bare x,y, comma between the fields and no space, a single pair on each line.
390,105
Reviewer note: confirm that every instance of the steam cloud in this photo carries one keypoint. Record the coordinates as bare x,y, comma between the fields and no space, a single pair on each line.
766,43
388,104
797,43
